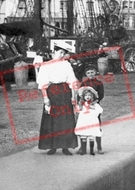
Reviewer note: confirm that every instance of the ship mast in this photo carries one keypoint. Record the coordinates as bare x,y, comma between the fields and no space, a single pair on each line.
37,9
37,13
70,16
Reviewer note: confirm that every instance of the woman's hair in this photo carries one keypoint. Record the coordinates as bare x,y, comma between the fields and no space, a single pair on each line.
56,48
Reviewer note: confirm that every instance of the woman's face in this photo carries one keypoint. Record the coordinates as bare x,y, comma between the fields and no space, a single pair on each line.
59,54
88,96
90,74
67,56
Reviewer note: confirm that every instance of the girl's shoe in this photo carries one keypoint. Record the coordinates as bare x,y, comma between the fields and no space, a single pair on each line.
79,151
92,153
82,150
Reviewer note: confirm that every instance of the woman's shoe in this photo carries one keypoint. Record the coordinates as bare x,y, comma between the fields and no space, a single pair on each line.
52,151
66,152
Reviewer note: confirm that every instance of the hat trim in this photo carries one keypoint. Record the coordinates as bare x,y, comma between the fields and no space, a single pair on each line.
61,46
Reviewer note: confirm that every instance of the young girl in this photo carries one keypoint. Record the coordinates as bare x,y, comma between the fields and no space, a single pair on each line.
88,123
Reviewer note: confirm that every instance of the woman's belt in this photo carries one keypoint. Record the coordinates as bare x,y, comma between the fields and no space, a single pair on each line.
52,82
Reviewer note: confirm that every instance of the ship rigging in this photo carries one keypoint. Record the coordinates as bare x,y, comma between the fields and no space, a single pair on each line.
89,26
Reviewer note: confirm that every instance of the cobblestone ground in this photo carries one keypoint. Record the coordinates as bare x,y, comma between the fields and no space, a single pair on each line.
20,116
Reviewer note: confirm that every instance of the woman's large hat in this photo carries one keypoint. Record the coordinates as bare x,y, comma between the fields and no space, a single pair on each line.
87,88
64,45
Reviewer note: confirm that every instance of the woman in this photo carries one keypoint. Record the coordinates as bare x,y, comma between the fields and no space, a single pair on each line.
56,80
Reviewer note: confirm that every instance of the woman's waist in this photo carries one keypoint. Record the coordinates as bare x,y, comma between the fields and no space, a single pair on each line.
57,82
58,88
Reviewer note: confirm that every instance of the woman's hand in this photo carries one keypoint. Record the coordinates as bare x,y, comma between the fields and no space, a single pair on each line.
47,101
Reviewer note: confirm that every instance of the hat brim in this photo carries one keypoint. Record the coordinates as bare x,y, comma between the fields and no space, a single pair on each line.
64,46
90,67
80,91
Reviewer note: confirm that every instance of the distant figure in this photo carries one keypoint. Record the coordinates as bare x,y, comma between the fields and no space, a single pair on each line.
38,60
113,7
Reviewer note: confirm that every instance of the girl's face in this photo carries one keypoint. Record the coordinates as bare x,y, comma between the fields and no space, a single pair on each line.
90,74
88,96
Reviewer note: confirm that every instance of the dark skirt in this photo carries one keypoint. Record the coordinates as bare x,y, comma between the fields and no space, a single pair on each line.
57,128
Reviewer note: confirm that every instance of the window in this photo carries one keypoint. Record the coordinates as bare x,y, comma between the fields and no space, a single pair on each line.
125,4
131,4
126,24
63,5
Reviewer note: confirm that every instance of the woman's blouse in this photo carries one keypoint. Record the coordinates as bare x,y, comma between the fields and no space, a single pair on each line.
56,72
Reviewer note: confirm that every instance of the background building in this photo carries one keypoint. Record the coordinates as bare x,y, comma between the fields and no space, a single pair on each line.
76,14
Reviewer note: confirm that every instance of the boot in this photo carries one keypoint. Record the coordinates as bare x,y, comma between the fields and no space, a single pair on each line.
99,147
92,148
82,150
79,151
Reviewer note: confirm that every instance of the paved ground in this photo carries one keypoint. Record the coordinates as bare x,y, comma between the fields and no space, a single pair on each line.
34,169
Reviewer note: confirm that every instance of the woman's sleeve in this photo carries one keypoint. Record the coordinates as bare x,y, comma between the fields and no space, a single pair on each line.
71,79
43,78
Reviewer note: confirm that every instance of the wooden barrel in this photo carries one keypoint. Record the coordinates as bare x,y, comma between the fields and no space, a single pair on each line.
102,65
21,74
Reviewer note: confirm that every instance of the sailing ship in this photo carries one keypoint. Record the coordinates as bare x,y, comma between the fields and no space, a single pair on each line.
95,26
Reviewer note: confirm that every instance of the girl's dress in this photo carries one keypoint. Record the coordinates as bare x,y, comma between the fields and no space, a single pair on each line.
88,122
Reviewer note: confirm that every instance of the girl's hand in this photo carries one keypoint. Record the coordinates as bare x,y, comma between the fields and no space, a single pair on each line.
73,101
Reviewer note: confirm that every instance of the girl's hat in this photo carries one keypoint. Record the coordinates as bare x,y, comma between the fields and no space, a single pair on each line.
88,88
90,67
